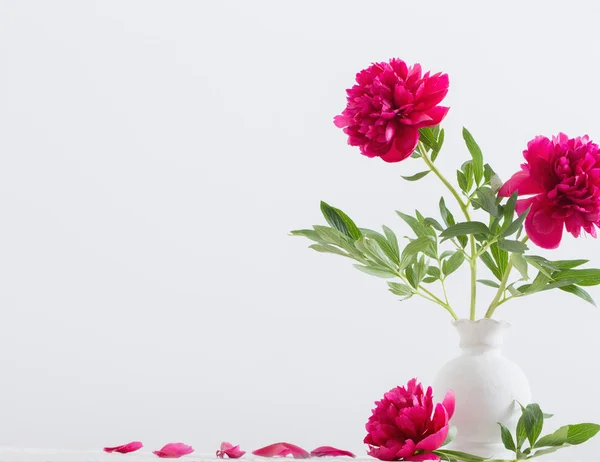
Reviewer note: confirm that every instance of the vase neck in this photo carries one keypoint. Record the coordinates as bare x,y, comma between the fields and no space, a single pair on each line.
484,336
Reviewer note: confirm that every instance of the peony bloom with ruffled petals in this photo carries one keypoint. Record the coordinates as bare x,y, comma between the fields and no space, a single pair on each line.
388,105
562,179
405,425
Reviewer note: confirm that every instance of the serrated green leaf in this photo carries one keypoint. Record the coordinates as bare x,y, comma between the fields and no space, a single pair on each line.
512,246
326,248
416,176
487,282
584,277
453,263
399,289
379,272
579,292
465,228
520,264
507,439
476,154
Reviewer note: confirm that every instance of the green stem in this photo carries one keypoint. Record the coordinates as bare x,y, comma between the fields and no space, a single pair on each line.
465,210
496,302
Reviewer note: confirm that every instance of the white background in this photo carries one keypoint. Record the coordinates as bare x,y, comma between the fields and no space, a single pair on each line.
155,155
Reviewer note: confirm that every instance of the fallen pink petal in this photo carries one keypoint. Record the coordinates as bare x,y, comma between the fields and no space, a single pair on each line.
282,450
173,451
229,450
125,448
329,451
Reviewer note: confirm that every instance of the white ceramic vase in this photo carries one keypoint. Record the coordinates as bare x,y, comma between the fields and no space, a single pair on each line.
487,386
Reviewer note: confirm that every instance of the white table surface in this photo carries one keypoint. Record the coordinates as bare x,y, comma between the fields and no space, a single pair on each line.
55,455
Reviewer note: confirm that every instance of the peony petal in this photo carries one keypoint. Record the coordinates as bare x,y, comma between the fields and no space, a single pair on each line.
125,448
434,441
324,451
449,403
282,450
440,418
543,230
436,115
174,451
404,144
229,450
521,182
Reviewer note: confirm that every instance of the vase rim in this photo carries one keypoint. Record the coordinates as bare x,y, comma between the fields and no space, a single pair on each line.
482,321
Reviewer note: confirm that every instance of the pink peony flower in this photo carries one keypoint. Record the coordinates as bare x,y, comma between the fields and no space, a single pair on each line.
229,450
282,450
174,451
125,448
405,426
328,451
562,178
388,105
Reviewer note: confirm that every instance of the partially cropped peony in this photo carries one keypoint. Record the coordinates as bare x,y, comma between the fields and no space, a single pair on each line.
388,105
562,179
405,425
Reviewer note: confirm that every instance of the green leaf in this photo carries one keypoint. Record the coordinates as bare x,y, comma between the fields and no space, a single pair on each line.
543,452
538,284
350,225
420,244
446,214
568,264
433,223
500,257
521,433
507,439
309,233
548,416
515,225
487,259
428,137
509,209
467,169
415,155
487,282
468,227
584,277
541,264
434,271
332,235
416,176
579,292
458,455
558,438
440,143
476,154
512,246
400,289
376,271
453,263
580,433
390,252
334,219
520,264
418,228
392,240
487,201
534,422
462,181
326,248
373,250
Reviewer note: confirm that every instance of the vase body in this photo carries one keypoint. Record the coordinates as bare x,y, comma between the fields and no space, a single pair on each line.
488,388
